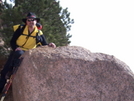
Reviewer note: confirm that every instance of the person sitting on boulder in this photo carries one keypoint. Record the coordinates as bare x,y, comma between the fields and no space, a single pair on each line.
25,37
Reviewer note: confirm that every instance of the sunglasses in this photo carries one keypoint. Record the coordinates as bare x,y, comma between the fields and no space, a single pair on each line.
31,20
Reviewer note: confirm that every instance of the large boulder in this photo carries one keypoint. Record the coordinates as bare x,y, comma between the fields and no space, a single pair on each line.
72,73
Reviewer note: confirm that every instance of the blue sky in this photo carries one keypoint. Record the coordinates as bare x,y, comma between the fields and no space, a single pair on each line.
105,26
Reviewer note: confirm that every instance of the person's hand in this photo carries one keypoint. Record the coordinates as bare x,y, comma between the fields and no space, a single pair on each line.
18,48
52,45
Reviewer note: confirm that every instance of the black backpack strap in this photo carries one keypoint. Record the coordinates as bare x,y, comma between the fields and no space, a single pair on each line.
22,27
38,38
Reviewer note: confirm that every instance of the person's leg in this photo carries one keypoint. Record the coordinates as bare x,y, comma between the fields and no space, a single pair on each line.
5,70
9,66
16,59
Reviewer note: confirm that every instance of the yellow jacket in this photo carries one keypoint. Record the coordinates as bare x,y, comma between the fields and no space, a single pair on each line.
26,40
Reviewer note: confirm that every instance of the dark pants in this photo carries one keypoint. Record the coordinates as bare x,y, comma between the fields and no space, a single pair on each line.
11,62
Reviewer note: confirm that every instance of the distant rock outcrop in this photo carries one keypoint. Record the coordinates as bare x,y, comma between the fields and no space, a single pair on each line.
72,73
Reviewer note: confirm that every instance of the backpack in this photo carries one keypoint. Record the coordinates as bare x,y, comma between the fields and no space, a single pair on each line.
22,27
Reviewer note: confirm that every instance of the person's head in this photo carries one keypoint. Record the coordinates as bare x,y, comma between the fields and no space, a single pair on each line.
31,19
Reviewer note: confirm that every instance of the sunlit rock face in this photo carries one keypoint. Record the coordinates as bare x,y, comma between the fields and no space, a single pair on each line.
72,73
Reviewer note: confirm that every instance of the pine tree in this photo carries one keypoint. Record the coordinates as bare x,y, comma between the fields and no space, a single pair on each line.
55,20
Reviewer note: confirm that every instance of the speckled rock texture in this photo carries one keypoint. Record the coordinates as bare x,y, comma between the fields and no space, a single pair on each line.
72,73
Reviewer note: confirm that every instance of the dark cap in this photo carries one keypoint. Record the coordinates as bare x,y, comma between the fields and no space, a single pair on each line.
30,15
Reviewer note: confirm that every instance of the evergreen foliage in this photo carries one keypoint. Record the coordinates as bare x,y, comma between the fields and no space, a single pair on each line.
55,20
